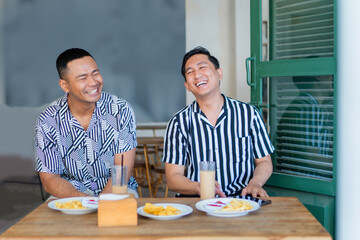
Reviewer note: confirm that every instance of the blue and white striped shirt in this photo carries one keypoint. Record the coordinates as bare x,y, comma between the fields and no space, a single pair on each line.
238,137
84,158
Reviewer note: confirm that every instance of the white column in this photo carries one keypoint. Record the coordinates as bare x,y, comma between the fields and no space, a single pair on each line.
222,26
242,44
2,69
348,115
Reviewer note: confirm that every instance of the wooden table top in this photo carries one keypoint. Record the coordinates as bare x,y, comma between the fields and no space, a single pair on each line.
284,218
150,140
151,125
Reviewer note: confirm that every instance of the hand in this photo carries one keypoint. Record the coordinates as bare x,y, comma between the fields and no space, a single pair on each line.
255,190
218,190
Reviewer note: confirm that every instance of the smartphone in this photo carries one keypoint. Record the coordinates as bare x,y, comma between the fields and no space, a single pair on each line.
262,202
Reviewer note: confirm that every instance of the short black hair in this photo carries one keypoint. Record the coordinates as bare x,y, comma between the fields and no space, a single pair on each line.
198,50
67,56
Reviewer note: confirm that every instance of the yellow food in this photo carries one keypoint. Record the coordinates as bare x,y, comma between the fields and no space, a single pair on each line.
236,205
160,210
72,204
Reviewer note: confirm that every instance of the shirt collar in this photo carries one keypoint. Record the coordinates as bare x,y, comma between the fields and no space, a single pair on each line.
196,108
65,111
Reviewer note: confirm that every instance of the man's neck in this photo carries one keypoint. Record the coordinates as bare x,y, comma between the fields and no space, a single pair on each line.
82,113
211,107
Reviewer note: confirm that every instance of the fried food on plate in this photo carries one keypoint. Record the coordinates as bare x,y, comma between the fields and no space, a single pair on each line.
160,210
71,204
236,205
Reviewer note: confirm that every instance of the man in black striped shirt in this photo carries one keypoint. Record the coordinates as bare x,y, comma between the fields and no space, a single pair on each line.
215,128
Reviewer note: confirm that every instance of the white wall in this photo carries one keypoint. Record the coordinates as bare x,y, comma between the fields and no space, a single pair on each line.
17,130
223,27
348,137
2,73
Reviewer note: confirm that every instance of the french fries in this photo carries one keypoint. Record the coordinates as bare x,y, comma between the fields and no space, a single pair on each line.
236,205
160,210
72,204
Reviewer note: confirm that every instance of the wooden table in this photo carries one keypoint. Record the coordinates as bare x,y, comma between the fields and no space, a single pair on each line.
285,218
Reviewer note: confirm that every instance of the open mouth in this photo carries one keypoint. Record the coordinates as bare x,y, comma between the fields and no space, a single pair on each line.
200,83
94,91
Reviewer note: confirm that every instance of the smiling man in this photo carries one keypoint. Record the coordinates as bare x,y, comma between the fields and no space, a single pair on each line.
218,128
81,135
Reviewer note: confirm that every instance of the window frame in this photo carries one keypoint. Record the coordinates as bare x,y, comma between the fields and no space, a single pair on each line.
282,68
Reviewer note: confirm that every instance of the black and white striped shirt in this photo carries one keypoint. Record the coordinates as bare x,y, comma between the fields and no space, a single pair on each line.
238,137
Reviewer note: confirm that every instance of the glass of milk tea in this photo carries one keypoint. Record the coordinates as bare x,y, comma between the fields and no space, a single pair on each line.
207,180
119,179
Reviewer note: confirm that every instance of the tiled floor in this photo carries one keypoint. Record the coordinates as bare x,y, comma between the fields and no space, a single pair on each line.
18,199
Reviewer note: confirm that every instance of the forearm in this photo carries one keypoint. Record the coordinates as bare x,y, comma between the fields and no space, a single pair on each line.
128,160
59,187
176,180
183,185
262,171
108,187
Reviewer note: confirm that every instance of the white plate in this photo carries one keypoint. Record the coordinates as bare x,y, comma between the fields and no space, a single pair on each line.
212,207
184,210
91,204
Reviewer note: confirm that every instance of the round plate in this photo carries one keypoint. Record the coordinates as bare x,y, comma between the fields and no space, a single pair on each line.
212,207
184,210
91,204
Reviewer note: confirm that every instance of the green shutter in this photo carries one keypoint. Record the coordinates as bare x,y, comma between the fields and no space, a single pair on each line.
296,90
303,109
303,28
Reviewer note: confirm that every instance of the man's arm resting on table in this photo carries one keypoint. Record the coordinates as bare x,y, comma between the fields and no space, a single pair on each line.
176,181
129,159
59,187
262,173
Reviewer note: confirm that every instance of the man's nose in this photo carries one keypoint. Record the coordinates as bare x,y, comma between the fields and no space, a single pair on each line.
197,73
92,80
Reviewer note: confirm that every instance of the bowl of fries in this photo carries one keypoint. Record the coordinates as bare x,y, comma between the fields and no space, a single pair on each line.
75,205
164,211
227,207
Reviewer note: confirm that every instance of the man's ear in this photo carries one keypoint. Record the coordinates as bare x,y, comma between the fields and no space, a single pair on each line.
187,86
220,73
64,85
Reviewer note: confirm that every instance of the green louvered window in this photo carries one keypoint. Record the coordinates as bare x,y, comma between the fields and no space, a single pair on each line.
293,82
303,116
295,89
303,28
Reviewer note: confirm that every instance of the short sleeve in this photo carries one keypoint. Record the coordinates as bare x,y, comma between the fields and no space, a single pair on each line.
174,144
261,141
127,129
46,155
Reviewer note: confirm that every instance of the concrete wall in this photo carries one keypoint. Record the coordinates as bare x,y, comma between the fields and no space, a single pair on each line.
138,46
223,27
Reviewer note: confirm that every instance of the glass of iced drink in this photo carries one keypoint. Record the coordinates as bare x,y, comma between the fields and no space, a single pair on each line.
207,180
119,179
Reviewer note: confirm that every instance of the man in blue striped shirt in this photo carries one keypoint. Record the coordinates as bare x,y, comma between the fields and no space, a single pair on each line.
81,135
215,128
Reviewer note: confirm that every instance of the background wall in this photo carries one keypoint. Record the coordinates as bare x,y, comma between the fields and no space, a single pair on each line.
138,46
223,27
